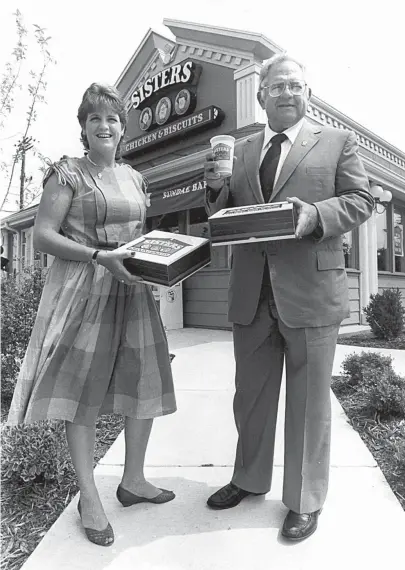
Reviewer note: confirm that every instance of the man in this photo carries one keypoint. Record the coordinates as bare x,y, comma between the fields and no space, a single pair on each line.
287,298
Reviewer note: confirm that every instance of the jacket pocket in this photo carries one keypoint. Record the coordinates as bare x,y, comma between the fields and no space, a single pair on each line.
319,171
330,259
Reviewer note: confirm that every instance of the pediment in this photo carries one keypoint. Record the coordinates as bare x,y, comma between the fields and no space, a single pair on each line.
148,59
216,46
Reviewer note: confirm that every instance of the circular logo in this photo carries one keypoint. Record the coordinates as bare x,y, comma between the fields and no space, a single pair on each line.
163,109
182,101
145,120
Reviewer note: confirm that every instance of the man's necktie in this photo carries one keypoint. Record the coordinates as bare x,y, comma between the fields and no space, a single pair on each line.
268,168
267,173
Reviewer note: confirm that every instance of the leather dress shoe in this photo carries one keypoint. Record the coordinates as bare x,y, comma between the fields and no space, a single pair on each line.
228,497
298,526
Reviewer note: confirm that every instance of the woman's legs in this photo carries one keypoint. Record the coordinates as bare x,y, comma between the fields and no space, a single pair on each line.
81,446
137,434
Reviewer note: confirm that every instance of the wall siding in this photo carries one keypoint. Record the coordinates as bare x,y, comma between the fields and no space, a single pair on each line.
392,280
353,278
205,299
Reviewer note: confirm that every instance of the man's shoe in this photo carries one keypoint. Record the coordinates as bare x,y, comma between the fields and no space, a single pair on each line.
228,497
299,526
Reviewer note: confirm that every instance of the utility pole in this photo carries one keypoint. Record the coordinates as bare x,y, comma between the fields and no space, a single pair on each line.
23,147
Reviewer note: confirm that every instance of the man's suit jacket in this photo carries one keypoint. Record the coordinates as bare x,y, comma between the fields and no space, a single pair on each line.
308,276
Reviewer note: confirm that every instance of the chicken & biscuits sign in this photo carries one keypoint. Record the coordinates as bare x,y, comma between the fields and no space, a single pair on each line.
209,116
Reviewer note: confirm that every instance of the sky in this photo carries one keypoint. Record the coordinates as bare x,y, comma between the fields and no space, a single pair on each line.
353,51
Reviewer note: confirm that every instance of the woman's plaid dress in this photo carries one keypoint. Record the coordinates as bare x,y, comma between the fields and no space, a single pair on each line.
98,345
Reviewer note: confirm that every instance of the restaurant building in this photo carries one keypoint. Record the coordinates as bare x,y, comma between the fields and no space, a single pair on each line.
179,93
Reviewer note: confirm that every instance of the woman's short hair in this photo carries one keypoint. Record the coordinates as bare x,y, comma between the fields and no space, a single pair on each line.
276,60
94,96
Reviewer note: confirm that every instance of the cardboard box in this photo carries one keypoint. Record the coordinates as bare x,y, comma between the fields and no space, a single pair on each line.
258,222
163,258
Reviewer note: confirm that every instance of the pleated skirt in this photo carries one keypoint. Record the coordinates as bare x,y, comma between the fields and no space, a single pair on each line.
98,346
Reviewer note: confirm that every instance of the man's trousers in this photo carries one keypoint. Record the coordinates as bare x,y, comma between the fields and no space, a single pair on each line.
259,353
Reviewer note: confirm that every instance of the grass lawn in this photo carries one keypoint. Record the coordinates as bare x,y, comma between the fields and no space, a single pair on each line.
366,338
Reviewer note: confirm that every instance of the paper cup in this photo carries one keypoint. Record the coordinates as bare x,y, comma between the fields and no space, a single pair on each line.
222,148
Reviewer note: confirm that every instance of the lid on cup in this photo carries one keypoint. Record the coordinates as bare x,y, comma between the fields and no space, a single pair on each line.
227,139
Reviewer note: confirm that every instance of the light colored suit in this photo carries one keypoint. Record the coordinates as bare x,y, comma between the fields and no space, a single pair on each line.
309,285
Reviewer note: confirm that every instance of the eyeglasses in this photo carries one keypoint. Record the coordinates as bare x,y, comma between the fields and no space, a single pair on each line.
277,89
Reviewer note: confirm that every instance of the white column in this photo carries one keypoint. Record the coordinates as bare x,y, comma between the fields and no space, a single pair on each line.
372,254
364,269
248,110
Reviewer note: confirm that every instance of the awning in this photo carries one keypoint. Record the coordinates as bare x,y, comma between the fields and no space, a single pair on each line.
178,193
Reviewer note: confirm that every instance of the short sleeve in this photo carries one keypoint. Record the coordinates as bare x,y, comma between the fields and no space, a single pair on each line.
66,171
140,181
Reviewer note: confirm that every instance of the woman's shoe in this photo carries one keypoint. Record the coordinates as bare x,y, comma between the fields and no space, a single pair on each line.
100,537
126,498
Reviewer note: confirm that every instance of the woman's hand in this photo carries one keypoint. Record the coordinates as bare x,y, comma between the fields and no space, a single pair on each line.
113,261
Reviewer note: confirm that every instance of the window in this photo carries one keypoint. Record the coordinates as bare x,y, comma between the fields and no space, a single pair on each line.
23,249
383,255
399,239
26,248
350,249
40,259
198,223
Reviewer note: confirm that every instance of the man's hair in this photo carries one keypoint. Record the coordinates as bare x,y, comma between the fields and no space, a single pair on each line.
276,60
96,95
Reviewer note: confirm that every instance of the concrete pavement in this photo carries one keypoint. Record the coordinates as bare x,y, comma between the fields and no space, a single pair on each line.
192,451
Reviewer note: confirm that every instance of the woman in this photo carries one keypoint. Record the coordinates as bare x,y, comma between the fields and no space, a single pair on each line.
98,345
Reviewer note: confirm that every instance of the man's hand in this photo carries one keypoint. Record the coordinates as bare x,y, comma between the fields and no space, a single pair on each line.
213,178
308,218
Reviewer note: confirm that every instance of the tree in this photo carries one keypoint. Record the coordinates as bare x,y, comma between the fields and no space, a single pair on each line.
35,89
9,81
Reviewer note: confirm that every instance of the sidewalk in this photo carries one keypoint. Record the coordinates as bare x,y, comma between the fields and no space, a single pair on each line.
192,452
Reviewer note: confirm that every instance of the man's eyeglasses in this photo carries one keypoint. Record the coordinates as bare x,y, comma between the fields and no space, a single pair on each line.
277,89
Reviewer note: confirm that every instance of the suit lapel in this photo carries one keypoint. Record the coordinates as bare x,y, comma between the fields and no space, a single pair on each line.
251,157
306,139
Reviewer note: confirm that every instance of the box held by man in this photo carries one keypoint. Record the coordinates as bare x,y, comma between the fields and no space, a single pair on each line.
258,222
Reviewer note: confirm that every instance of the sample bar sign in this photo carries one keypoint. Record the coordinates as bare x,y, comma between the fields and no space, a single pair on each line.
208,117
182,193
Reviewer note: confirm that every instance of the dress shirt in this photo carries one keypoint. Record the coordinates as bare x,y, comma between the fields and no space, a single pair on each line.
291,134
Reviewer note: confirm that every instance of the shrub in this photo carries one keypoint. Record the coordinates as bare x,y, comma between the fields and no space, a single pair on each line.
399,454
35,453
20,299
385,394
385,314
377,387
358,367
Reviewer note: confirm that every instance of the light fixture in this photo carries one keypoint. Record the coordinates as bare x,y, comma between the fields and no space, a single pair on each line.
381,196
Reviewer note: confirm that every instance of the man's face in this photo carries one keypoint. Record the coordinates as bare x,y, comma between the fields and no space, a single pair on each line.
287,109
162,112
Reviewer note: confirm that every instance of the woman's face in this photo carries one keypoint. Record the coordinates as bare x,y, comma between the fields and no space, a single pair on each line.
103,130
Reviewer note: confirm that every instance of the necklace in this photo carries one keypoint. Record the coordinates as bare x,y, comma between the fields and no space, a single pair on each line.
99,174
